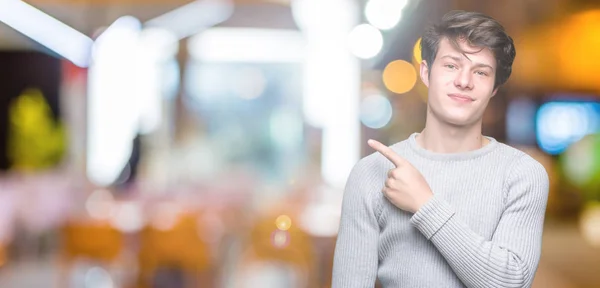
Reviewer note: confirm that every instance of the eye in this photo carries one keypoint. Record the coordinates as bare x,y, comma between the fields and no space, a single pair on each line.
451,66
482,73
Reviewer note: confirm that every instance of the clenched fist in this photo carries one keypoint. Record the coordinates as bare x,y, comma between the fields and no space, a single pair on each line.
405,186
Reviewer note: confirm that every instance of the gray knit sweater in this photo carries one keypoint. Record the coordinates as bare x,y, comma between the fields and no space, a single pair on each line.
482,228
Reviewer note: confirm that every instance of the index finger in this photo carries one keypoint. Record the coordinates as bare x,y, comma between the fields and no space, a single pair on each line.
387,152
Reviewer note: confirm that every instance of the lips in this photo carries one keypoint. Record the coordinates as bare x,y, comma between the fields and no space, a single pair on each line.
461,98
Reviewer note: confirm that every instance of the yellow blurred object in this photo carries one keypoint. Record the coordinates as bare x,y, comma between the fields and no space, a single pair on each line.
399,76
417,53
35,140
177,246
283,222
560,55
420,87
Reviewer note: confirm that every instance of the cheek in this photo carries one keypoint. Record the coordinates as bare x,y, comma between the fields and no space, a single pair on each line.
485,86
441,79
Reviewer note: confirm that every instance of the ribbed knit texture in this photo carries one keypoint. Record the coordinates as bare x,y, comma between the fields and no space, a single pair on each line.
482,228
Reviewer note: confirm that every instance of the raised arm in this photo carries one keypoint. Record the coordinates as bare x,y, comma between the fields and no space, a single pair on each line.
512,256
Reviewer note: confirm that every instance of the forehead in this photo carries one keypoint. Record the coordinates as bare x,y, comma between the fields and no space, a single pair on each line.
475,54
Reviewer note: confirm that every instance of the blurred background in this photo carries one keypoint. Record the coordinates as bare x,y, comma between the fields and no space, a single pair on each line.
178,143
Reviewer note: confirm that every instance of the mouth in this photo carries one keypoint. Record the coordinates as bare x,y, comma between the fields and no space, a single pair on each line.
461,98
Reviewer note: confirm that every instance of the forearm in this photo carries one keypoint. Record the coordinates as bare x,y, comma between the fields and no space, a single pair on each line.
476,261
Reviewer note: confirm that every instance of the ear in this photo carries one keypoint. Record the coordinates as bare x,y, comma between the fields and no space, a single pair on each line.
494,92
424,73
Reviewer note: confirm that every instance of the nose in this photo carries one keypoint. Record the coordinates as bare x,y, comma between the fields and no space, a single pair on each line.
463,80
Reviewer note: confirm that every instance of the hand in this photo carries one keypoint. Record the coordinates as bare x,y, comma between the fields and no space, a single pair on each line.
405,186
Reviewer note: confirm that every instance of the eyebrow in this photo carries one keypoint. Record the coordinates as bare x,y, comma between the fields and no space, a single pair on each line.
458,59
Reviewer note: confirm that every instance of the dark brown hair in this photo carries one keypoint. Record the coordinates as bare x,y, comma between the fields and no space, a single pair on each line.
479,30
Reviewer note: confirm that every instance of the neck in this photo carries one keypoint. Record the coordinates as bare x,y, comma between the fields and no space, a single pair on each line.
443,137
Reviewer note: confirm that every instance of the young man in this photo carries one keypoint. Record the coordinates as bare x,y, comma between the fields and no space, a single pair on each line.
447,207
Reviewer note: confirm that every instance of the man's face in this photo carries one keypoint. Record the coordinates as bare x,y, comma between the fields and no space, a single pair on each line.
459,87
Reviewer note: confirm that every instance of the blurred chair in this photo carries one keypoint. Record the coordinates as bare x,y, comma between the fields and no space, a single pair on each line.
89,240
291,250
178,248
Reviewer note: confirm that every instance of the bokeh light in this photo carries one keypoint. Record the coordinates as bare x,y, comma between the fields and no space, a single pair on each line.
559,124
98,277
280,239
128,217
417,53
399,76
581,165
384,14
589,224
283,222
165,216
100,204
375,111
365,41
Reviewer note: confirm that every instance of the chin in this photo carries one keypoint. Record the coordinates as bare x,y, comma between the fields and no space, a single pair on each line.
458,119
453,115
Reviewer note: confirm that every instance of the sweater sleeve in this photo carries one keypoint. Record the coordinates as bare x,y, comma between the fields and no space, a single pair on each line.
356,252
511,257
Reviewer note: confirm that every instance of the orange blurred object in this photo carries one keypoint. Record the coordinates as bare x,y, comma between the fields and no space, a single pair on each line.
94,240
91,240
292,246
399,76
177,246
2,254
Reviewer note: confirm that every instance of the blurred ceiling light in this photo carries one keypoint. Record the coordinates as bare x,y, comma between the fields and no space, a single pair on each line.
125,28
46,30
156,46
158,43
399,76
365,41
375,111
322,15
248,45
194,17
384,14
331,82
112,117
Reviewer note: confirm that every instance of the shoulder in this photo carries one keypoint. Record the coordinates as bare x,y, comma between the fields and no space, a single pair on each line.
522,164
526,176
